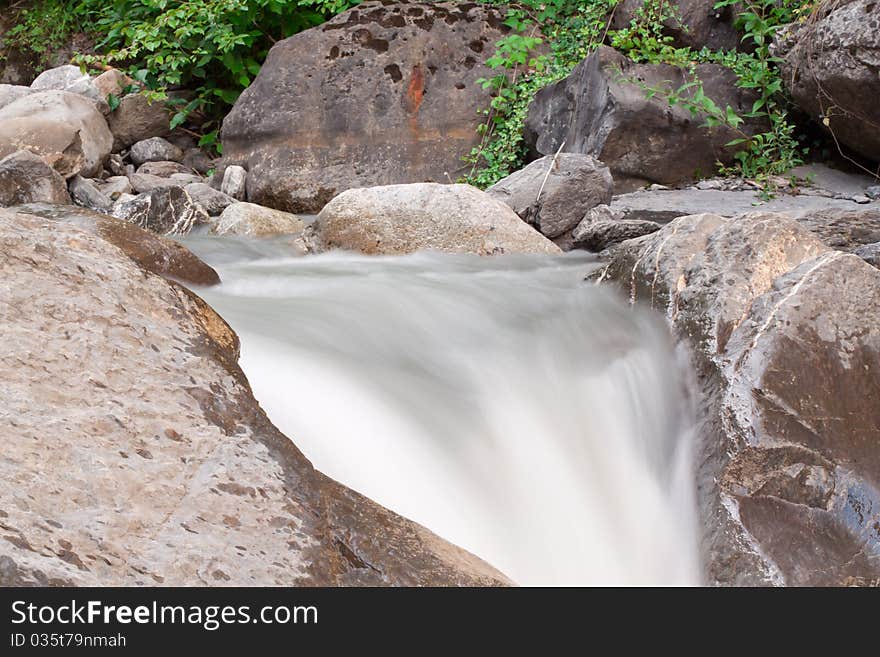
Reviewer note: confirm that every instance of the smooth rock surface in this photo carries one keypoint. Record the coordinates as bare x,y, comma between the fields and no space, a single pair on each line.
11,92
64,129
787,353
383,93
85,193
234,182
209,198
555,193
398,219
252,220
26,178
136,119
599,110
151,463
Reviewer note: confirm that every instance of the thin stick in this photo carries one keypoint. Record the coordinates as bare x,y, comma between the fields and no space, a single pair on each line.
549,169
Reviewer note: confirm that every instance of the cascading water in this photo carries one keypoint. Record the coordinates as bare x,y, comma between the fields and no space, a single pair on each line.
529,417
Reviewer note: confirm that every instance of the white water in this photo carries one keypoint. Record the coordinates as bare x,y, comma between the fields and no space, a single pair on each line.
505,404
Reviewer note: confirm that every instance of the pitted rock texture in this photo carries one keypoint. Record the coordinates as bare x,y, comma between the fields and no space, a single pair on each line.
383,93
830,66
602,109
784,341
135,454
398,219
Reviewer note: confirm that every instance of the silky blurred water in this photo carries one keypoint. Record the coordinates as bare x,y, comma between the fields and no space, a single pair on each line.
510,407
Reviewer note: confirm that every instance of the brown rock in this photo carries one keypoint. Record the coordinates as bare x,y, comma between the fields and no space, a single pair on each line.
26,178
130,437
398,219
383,93
137,118
788,357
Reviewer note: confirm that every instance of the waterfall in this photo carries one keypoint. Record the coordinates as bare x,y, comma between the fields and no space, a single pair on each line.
532,418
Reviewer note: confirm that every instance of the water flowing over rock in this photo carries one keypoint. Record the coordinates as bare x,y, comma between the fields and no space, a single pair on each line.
26,178
600,110
65,129
830,65
783,339
399,219
555,192
383,93
151,462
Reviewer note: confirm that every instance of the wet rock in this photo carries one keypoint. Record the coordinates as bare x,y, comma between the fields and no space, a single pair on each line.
11,92
829,65
256,221
154,253
555,192
404,218
694,24
146,460
136,119
85,193
209,198
234,182
383,93
167,211
64,129
155,149
26,178
600,110
782,338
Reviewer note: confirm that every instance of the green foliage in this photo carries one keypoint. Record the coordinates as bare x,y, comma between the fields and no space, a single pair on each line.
213,48
576,28
42,28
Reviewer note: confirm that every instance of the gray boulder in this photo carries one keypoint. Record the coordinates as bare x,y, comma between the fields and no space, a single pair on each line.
64,129
11,92
161,168
603,227
26,178
114,186
870,253
85,193
209,198
167,211
234,182
250,220
787,353
69,78
830,68
600,110
155,149
383,93
554,193
398,219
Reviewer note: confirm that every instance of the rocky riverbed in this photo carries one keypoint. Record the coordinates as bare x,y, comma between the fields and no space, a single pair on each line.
136,451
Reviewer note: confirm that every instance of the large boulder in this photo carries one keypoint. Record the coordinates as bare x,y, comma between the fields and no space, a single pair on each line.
68,78
783,339
692,23
830,67
26,178
602,109
65,129
9,93
154,253
384,93
554,193
404,218
155,149
250,220
136,118
134,452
